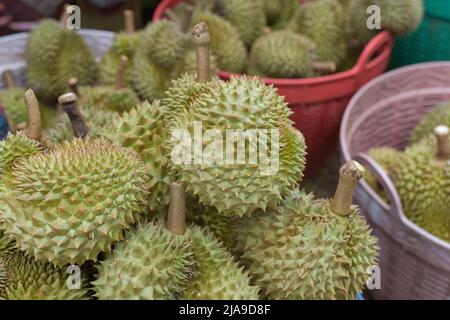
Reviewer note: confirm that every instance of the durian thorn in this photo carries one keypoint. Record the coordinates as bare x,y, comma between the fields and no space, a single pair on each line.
442,134
9,79
34,116
349,176
121,72
130,26
73,84
64,15
176,217
186,19
69,103
202,40
324,66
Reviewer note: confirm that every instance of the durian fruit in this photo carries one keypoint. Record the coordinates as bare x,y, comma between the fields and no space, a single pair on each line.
284,54
144,130
323,22
53,55
280,12
422,179
12,101
247,16
310,249
438,115
387,158
234,188
71,203
22,278
226,45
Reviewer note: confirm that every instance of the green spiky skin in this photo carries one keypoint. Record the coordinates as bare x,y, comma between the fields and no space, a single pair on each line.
327,255
226,44
108,67
22,278
151,264
188,64
423,183
387,158
218,276
272,10
144,130
439,115
164,43
323,22
241,103
95,119
280,12
109,98
401,17
54,54
72,203
247,16
283,54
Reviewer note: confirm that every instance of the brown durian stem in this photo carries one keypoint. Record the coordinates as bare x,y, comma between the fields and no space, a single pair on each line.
324,66
186,19
349,176
202,40
128,16
73,84
443,142
34,116
69,103
64,15
8,79
121,72
176,218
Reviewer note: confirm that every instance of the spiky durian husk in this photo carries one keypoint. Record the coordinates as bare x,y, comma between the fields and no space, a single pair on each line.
401,17
22,278
323,22
144,130
54,54
95,119
241,104
386,157
151,264
357,13
125,44
108,67
247,16
283,54
272,10
72,203
439,115
423,183
280,12
218,276
188,64
326,254
226,45
109,98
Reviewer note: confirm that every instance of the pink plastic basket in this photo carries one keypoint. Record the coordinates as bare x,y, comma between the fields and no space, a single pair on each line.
318,103
414,264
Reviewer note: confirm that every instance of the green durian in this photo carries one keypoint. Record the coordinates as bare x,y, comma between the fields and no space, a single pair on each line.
144,130
247,16
108,98
323,22
307,248
280,12
71,203
226,45
283,54
422,180
22,278
53,55
437,116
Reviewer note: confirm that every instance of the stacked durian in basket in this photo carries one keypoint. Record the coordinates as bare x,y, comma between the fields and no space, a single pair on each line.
108,199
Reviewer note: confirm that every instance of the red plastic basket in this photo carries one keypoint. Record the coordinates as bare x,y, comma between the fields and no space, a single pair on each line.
319,103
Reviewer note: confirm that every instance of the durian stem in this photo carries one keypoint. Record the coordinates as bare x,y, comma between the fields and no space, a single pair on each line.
443,142
34,116
202,40
349,176
128,16
64,15
69,103
73,84
176,218
324,66
186,19
121,72
8,79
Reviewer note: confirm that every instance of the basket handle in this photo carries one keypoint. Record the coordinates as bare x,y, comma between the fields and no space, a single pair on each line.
395,204
376,45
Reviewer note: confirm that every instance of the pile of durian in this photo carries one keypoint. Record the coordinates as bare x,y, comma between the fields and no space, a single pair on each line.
100,190
421,173
296,39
